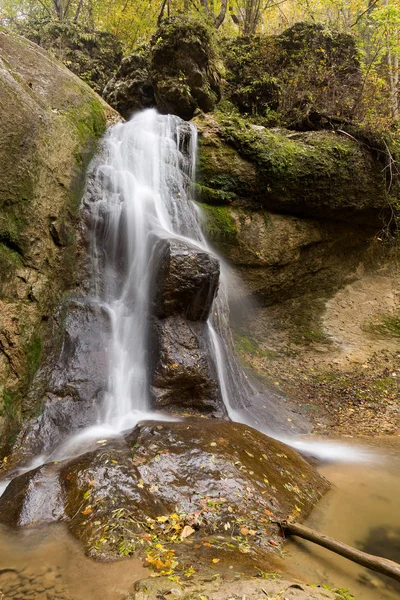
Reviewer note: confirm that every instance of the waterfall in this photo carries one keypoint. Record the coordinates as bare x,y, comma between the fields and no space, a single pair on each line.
145,182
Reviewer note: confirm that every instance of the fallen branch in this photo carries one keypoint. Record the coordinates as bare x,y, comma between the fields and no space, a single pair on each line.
376,563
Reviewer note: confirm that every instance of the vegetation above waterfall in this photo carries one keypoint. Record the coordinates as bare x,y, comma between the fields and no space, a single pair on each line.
343,63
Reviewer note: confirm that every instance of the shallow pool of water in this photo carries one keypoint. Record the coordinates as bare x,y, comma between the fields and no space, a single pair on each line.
47,564
363,510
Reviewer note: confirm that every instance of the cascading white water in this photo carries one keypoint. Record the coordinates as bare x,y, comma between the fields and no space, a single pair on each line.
145,181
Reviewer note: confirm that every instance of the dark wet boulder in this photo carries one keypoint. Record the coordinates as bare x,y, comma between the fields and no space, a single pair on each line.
186,280
70,385
131,88
218,478
183,374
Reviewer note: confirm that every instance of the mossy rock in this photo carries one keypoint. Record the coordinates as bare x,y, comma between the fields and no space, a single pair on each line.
135,494
92,55
50,122
298,78
317,174
184,70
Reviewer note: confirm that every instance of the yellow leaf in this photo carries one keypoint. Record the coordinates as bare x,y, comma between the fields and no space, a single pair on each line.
162,519
140,484
215,560
87,511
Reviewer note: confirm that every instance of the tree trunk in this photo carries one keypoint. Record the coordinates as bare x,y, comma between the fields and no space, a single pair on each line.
221,16
381,565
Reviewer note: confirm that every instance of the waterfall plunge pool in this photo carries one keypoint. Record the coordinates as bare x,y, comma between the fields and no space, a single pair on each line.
361,509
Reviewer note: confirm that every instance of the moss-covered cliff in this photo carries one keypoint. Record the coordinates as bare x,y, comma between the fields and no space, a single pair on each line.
49,124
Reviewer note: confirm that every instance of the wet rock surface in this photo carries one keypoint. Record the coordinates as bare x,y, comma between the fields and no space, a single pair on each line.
70,385
184,375
208,475
49,124
185,280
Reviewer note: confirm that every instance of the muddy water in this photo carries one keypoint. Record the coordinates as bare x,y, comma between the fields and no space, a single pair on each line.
363,510
48,564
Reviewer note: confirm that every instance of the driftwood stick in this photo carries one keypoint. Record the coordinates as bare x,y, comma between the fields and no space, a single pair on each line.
376,563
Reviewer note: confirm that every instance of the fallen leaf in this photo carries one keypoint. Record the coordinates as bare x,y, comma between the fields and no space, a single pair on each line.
140,484
87,511
215,560
162,519
186,531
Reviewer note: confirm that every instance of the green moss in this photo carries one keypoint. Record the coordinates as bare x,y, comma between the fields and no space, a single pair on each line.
388,326
33,353
386,384
10,260
89,122
207,195
343,594
317,171
247,345
219,223
10,412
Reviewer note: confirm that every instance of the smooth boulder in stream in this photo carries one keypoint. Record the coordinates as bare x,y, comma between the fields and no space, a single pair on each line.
216,477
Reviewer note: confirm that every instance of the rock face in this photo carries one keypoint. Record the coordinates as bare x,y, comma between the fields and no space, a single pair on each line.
49,124
185,282
319,174
70,385
184,376
294,212
164,476
177,74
